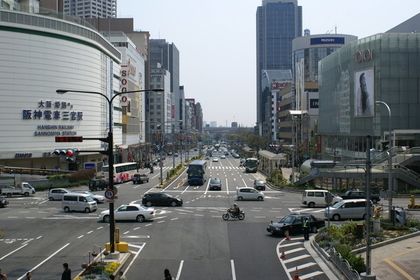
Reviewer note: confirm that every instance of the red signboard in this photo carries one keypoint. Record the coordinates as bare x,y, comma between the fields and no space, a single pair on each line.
69,139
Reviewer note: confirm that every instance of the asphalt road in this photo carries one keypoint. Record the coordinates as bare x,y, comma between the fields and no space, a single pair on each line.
192,241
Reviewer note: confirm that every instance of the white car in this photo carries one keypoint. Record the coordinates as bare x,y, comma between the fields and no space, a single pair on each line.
135,212
249,194
222,156
215,159
97,197
57,193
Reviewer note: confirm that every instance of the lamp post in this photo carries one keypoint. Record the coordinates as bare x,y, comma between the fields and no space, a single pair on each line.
389,159
110,141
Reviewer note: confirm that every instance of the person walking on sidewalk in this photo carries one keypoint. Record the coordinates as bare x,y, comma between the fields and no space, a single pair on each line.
66,273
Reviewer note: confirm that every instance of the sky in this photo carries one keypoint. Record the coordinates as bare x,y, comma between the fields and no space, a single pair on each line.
217,42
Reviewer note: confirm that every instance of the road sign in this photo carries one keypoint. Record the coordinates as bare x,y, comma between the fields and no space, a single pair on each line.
161,164
69,139
109,194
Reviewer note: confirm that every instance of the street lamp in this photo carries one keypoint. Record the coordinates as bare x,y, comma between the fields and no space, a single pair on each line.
389,159
110,141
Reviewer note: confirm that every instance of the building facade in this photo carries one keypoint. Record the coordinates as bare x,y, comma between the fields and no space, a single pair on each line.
382,67
278,23
41,52
90,9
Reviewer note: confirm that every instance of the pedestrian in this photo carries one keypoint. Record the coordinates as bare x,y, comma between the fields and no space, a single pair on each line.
2,275
28,275
66,273
305,228
167,274
122,276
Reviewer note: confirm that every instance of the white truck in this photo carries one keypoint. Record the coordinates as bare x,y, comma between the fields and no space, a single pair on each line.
23,189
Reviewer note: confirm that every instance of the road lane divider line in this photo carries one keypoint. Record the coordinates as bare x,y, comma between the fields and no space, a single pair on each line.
232,266
178,274
13,251
41,263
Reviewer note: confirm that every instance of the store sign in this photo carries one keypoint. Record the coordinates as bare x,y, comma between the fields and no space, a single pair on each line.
362,56
327,40
53,111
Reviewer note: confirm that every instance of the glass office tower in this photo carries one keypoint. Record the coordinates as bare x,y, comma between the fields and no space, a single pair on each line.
278,23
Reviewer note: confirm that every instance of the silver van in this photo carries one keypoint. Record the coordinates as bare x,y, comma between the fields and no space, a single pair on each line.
79,202
347,209
314,198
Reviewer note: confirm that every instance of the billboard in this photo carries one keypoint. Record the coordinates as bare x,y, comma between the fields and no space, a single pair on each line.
364,93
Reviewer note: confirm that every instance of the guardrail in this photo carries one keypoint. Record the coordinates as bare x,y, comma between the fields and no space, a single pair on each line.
343,265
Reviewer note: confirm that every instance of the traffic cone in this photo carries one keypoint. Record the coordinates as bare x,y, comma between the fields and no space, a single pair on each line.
287,235
296,277
283,256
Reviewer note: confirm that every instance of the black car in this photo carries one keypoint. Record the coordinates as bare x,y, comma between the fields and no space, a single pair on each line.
160,199
140,179
3,202
293,223
98,184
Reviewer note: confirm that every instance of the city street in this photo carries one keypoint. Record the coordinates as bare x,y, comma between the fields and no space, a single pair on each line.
192,241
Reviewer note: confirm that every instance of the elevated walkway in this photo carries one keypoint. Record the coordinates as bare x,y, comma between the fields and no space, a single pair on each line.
380,168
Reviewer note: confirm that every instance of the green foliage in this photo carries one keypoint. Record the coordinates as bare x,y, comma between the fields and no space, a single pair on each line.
276,178
84,174
59,177
61,185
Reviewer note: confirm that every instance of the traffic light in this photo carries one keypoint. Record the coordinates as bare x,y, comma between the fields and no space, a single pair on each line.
70,154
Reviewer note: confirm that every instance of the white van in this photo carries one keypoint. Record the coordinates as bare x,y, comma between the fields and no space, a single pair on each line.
314,198
78,202
348,209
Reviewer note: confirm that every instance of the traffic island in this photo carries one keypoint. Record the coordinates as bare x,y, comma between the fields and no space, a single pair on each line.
104,265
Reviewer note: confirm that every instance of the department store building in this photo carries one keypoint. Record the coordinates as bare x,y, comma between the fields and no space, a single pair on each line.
40,54
383,67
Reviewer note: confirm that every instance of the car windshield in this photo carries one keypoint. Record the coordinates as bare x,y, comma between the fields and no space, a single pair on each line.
89,198
215,181
287,219
338,204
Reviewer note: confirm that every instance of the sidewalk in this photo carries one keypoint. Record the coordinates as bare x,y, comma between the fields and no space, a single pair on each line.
398,260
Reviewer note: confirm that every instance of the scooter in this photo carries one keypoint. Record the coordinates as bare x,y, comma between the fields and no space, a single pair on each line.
229,213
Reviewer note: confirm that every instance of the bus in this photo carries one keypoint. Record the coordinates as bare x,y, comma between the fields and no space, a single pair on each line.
123,172
197,172
251,165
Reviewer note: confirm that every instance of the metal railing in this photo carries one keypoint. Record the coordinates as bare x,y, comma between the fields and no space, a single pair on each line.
343,265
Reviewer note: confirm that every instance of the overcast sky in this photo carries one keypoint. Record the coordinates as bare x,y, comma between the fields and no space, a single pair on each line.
216,41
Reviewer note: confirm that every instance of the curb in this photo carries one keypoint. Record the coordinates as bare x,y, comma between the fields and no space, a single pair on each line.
387,242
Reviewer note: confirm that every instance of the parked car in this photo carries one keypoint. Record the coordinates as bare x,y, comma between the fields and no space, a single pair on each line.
3,202
215,184
314,198
161,199
259,185
140,178
98,184
293,223
249,194
135,212
347,209
57,193
97,197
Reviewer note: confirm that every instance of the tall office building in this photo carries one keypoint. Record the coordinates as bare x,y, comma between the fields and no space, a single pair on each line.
278,23
166,55
91,9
